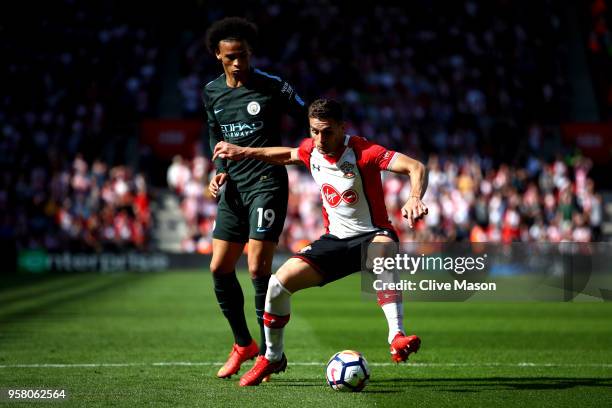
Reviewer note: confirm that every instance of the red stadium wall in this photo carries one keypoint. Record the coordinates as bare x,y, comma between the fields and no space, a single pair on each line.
593,139
169,137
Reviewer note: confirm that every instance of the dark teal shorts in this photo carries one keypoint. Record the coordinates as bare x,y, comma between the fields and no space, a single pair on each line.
256,214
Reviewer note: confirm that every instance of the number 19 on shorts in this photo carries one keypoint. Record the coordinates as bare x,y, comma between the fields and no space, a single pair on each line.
265,218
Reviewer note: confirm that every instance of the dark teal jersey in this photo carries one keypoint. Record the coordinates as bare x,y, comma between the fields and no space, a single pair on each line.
251,115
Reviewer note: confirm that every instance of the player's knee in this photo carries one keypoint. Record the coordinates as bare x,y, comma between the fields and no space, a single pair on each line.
287,278
296,275
258,268
217,269
258,271
276,289
277,299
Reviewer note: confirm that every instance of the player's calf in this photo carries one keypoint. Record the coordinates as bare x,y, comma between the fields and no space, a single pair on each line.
276,317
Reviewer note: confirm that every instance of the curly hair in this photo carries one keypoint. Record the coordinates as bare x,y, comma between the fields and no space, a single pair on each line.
325,109
231,28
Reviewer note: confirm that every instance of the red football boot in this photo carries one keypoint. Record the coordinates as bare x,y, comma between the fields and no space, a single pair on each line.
402,346
262,369
237,356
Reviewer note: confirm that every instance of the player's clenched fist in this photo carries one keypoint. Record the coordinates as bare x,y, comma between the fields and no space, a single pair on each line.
413,210
216,183
229,151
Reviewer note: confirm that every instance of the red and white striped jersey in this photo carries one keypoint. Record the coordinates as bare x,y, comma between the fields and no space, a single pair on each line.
351,188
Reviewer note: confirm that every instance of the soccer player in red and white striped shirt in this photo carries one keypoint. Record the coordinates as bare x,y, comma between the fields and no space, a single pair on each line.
347,170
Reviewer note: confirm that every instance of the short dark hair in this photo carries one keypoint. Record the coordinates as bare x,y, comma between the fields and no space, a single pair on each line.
231,28
326,109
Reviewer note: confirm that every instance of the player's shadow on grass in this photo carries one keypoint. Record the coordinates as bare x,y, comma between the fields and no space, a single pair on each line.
468,385
20,288
72,292
460,385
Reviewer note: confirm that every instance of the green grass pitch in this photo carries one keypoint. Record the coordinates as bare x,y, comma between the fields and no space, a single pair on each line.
157,340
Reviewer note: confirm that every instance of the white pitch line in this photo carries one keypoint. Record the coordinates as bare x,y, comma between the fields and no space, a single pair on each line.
304,363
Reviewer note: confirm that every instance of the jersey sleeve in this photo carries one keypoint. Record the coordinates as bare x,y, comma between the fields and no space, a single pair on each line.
214,133
293,103
286,98
296,108
372,154
304,151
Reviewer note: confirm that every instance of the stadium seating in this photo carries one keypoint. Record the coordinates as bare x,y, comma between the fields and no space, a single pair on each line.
74,87
476,89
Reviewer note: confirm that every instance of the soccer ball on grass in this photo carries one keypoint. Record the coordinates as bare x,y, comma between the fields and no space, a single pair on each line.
347,371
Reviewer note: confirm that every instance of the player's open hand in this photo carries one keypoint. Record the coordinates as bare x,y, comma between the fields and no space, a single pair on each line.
216,183
413,210
229,151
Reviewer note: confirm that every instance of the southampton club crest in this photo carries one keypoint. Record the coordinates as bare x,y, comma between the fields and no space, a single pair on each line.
347,169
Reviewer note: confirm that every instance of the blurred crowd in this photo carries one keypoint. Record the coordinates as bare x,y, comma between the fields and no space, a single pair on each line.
189,180
466,75
472,200
75,82
477,89
85,208
469,199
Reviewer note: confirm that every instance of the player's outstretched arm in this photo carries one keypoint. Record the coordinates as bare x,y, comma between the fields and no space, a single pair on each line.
274,155
414,207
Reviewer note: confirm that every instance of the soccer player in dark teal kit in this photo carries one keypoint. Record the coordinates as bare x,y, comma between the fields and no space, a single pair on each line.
244,106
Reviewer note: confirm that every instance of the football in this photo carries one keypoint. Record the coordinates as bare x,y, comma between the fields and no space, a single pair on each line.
347,371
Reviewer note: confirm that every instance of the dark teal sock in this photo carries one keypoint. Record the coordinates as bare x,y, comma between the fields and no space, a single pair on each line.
231,301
